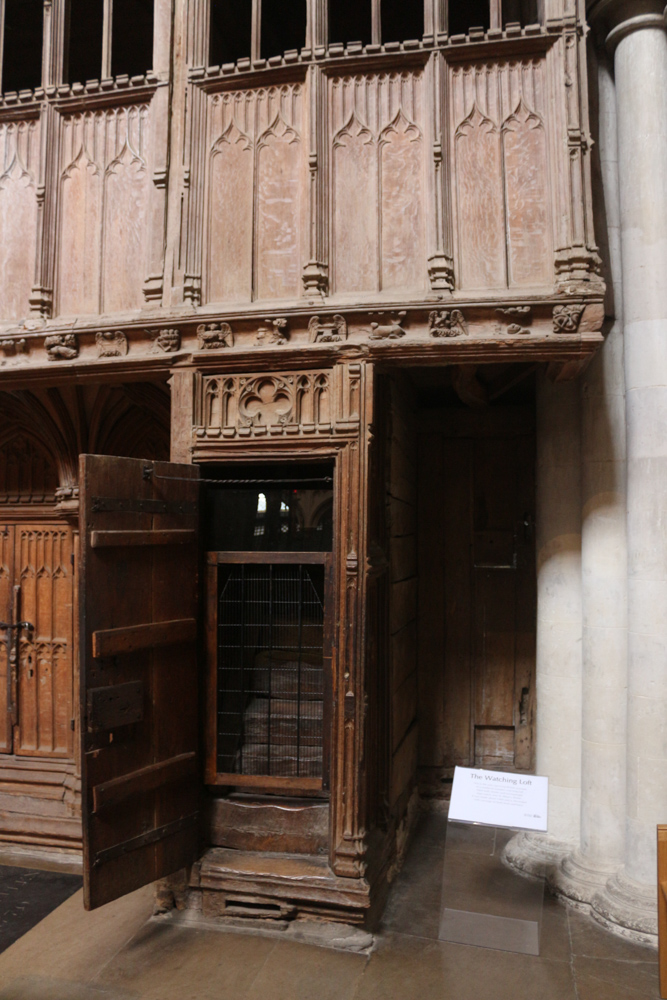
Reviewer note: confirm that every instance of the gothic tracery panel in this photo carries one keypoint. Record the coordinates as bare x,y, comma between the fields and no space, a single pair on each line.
255,194
378,187
44,572
19,154
501,175
103,210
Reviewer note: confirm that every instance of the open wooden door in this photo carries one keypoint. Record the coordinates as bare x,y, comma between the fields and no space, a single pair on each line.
139,678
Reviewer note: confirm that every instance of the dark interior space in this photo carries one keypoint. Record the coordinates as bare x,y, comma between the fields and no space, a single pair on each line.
283,26
401,21
22,54
230,31
468,14
83,52
132,37
350,21
522,12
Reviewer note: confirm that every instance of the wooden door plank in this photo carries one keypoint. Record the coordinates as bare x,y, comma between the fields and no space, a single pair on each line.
134,599
146,779
113,539
114,641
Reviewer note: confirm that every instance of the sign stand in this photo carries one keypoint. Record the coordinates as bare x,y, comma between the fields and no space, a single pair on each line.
485,903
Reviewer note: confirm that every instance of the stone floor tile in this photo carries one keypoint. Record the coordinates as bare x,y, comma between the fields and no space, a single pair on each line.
39,988
602,979
404,968
73,945
164,961
589,939
555,935
300,972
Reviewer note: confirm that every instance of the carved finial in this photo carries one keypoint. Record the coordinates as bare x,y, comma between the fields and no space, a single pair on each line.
61,346
111,344
214,336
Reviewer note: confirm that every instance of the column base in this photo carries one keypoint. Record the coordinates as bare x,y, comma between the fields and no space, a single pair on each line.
579,879
535,854
628,909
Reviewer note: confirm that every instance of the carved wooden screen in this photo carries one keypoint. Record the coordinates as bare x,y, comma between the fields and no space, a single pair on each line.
36,672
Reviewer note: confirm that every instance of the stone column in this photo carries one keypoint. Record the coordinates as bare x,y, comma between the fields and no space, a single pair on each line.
558,625
635,32
584,873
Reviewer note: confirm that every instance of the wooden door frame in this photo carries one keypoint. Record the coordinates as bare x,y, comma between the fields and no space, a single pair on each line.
346,441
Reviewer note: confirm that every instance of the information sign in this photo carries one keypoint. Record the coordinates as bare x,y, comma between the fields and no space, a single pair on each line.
498,798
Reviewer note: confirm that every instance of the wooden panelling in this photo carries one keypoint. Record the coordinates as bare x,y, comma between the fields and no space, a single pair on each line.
19,171
476,594
378,181
501,167
400,519
45,572
103,216
255,194
39,803
6,638
295,826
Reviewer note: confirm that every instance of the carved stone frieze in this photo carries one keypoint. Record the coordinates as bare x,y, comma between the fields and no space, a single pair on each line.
61,346
327,331
214,336
567,318
390,329
111,344
11,346
520,314
167,341
256,405
447,323
272,331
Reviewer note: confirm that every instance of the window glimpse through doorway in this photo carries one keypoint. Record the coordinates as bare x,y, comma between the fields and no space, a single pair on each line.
22,45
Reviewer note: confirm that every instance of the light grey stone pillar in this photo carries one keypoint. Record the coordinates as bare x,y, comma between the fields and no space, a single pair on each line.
558,624
584,873
636,34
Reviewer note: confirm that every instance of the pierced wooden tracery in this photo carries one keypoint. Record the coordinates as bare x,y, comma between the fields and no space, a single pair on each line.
27,472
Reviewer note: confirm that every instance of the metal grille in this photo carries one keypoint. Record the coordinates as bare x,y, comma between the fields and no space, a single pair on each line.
270,670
